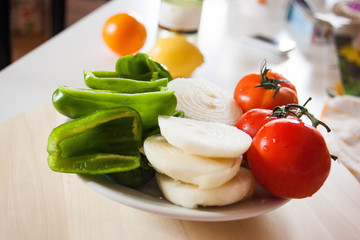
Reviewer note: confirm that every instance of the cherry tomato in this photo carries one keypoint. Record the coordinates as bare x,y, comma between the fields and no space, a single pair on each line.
124,34
251,121
265,90
289,159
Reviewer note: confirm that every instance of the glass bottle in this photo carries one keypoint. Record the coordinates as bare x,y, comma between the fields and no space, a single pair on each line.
180,17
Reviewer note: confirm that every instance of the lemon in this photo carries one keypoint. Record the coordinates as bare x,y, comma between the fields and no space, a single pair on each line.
179,55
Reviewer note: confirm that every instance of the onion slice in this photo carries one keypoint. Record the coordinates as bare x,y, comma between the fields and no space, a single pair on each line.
203,100
201,171
209,139
239,188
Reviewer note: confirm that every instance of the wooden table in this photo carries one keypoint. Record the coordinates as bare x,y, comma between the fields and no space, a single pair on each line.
36,203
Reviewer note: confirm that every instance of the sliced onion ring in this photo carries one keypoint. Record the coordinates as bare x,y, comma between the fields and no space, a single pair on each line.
205,101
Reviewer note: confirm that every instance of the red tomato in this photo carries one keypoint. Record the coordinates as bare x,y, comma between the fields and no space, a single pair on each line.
289,159
264,90
251,121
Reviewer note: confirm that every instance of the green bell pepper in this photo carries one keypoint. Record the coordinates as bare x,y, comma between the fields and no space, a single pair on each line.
111,81
141,67
77,102
105,141
137,177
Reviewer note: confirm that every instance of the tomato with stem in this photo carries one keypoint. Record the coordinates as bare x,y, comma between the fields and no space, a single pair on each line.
265,90
289,158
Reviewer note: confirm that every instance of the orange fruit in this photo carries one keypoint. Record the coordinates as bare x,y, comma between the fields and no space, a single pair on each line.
124,34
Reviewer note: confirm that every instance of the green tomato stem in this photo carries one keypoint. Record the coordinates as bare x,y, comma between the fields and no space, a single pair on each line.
298,111
269,83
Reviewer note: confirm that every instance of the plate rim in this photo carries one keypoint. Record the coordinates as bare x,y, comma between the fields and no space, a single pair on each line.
159,205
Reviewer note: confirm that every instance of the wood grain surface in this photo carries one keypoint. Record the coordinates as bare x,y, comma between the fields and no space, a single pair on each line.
36,203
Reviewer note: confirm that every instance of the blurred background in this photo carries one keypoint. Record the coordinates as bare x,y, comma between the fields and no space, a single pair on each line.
32,23
25,24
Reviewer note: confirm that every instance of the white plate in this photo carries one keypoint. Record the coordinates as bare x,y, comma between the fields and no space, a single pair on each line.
150,199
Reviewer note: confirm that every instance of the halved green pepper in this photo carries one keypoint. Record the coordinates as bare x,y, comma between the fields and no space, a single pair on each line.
105,141
77,102
140,67
112,81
